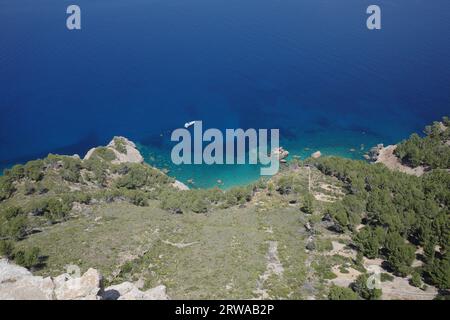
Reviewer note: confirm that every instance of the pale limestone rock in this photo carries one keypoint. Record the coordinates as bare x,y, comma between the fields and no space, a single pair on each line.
85,287
316,155
386,156
61,279
180,185
89,154
17,283
374,152
280,153
128,291
132,154
156,293
27,288
10,272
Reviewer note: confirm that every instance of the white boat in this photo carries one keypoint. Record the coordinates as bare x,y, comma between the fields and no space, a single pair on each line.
188,124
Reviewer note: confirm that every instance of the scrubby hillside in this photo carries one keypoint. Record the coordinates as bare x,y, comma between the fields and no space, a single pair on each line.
318,229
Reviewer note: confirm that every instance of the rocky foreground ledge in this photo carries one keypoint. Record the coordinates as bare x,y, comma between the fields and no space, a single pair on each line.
17,283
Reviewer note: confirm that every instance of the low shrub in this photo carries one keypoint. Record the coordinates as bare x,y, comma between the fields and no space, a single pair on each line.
6,248
119,145
34,170
104,153
6,188
360,286
341,293
27,258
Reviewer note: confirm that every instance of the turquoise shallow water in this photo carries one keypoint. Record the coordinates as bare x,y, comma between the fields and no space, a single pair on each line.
349,144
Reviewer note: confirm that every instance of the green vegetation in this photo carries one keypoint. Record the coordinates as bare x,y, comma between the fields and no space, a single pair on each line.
221,255
399,212
400,254
141,176
34,170
200,201
103,153
6,248
43,192
6,187
119,145
322,268
362,289
13,223
71,169
28,258
430,150
439,272
369,241
415,280
340,293
52,208
384,277
216,244
307,204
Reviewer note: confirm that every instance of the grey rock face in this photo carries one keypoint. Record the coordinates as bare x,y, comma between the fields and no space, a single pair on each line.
17,283
129,291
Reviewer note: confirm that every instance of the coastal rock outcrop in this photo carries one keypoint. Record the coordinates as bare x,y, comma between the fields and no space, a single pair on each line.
316,155
17,283
386,156
280,153
180,185
125,151
374,152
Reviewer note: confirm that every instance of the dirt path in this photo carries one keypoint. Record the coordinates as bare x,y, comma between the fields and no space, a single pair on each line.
274,267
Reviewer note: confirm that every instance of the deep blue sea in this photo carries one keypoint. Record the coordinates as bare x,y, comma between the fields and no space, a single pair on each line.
141,68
